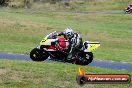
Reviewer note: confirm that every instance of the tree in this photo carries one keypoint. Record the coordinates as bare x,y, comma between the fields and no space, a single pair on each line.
27,4
4,2
54,1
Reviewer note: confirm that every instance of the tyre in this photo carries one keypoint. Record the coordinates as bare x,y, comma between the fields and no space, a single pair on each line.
84,58
128,11
131,11
89,57
38,55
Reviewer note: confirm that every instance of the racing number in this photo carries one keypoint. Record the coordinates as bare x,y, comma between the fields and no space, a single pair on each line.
44,40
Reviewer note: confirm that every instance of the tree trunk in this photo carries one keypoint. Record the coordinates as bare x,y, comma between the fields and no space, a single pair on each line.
2,2
26,4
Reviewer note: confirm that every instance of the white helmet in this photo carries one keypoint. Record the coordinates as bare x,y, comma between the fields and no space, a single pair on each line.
130,5
69,32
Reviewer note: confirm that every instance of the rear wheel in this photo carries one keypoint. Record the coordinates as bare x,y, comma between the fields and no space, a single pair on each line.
89,57
85,59
38,55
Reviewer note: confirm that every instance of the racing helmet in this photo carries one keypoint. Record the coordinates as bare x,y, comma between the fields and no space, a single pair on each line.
69,33
130,5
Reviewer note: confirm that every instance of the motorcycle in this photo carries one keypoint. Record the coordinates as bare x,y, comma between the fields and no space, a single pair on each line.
128,10
57,49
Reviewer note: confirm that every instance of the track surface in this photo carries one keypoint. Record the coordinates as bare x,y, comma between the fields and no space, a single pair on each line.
32,11
95,63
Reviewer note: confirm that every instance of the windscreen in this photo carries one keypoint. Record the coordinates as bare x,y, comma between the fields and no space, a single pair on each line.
52,35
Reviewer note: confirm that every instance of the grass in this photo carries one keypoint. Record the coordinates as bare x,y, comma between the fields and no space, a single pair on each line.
23,74
20,32
83,5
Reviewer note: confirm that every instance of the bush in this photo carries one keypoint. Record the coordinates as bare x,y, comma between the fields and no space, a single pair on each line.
4,2
67,4
54,1
20,3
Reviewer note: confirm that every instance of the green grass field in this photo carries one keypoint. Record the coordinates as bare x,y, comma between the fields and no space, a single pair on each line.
83,5
23,74
22,31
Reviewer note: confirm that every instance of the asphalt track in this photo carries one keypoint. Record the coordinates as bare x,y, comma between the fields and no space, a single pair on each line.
73,12
32,11
76,12
95,63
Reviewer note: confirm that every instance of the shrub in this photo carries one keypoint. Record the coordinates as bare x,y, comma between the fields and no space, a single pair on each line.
4,2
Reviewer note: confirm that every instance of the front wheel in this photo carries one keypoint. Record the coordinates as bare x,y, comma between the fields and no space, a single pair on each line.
38,55
128,11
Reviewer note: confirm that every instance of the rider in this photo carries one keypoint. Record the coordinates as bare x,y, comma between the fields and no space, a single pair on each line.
129,7
74,39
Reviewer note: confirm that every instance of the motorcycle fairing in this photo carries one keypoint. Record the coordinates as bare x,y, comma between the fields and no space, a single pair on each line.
62,43
52,37
46,41
91,46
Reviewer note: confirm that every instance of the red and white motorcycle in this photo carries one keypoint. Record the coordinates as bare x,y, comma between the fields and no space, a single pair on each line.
128,9
56,48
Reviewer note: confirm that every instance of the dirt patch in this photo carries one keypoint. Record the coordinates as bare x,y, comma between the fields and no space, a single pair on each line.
3,71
